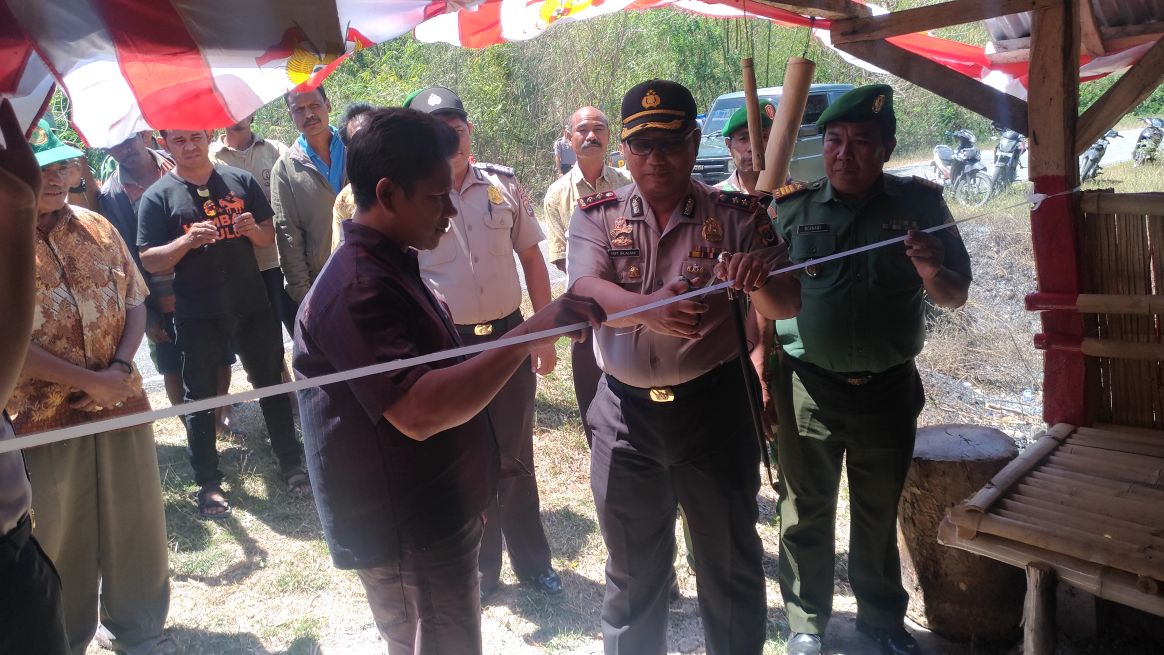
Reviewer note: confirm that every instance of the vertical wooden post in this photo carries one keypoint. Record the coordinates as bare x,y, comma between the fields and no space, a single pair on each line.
1052,110
1039,610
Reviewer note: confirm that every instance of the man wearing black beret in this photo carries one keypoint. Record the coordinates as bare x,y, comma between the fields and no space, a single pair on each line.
670,420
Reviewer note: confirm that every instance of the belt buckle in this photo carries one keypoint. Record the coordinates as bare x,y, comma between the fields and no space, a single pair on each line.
662,394
483,329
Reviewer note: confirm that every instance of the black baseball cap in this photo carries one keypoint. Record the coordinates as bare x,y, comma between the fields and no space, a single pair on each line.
658,104
436,100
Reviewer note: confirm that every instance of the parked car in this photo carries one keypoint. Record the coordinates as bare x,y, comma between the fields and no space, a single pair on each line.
714,162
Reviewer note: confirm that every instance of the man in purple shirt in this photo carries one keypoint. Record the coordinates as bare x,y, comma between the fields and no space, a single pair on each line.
404,463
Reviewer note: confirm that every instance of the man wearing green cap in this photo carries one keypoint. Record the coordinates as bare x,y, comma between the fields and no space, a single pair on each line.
851,391
31,619
739,143
98,498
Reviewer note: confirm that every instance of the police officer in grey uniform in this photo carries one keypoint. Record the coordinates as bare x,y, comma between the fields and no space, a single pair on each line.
473,269
852,391
670,419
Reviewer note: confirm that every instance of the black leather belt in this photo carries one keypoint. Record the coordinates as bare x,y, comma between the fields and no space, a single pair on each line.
695,387
17,537
496,327
853,379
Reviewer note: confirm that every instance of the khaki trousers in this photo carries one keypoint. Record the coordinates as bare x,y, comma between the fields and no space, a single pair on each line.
99,517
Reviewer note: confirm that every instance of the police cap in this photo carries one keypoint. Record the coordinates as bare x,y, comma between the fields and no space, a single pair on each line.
658,104
436,100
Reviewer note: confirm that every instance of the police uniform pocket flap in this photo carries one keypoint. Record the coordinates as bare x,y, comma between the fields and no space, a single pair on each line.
812,246
628,270
499,217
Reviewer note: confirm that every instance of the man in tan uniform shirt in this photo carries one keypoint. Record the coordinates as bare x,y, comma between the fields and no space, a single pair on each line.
588,133
670,420
474,270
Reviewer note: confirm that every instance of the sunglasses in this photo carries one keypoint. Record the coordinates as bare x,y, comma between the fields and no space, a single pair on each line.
644,147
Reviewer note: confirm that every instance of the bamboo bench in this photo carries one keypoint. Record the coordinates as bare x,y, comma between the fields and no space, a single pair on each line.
1087,502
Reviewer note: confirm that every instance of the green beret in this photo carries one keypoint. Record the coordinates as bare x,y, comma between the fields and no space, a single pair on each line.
740,118
873,102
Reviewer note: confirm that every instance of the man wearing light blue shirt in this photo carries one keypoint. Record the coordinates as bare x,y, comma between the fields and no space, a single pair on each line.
304,184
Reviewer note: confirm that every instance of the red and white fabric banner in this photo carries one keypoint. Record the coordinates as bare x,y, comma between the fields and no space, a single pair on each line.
131,65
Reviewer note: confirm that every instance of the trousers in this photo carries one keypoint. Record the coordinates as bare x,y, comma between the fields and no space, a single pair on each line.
31,619
699,452
100,518
871,428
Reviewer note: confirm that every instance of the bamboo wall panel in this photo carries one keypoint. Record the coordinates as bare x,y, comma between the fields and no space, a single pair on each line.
1121,249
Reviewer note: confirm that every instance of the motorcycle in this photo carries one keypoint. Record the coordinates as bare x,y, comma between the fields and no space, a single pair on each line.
1148,141
1007,155
1089,167
961,170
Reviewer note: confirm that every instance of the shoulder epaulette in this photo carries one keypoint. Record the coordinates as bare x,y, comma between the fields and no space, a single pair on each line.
792,188
495,168
596,199
738,200
928,183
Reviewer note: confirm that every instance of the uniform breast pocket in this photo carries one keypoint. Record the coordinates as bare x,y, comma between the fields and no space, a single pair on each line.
628,271
697,270
499,225
807,247
446,249
893,269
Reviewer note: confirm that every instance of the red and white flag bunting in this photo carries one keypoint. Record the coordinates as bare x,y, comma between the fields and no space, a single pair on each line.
131,65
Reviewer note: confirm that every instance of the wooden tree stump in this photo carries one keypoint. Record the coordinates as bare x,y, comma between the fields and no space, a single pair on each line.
954,593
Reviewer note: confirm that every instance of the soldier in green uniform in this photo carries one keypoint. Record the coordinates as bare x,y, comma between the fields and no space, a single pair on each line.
739,143
852,390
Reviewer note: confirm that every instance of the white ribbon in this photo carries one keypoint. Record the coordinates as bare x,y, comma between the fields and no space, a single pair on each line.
122,422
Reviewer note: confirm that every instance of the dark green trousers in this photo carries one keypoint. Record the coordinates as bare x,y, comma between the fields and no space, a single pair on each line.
823,421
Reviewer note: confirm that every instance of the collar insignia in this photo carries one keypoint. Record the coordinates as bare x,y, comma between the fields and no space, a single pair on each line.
636,207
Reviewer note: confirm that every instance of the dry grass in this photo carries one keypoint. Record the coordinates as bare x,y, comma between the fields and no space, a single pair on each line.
262,582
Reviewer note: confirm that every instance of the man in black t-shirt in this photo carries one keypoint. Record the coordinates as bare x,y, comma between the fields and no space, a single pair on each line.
202,221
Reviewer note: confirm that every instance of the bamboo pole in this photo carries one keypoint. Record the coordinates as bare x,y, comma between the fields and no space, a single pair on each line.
786,125
1017,468
1039,610
1069,542
1126,430
752,102
1076,499
1121,489
1118,445
1097,303
1051,516
1112,456
1154,478
1104,582
1107,202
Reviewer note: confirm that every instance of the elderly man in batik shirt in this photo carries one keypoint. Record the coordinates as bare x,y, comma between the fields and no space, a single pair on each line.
97,498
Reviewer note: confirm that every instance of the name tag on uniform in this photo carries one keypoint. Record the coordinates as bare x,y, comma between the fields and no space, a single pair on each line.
813,229
623,252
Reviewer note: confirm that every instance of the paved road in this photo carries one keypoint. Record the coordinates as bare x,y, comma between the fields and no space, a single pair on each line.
1118,150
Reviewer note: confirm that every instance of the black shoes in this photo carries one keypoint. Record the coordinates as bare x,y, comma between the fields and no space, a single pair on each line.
892,641
546,582
803,643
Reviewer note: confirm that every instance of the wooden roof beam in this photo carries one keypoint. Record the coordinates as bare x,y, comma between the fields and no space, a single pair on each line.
969,93
831,9
1089,38
921,19
1131,89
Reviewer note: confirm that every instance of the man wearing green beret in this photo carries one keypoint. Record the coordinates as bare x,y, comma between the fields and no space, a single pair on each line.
738,141
851,391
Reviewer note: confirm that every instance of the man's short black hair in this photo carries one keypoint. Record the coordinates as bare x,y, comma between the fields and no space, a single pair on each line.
322,93
353,112
403,145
